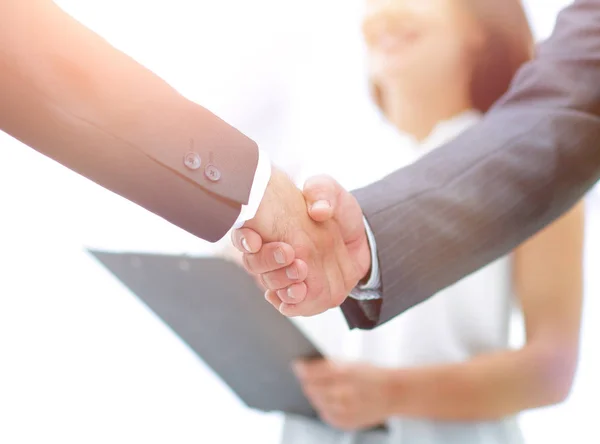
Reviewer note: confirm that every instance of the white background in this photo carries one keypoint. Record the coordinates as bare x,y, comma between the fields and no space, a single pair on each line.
81,360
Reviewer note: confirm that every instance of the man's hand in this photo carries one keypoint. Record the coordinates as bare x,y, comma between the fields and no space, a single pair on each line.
333,254
346,396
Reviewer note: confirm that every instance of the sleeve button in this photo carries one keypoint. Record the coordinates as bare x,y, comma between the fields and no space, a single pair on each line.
192,161
212,173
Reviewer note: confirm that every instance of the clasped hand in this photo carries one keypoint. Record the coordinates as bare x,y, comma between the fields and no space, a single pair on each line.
347,396
309,248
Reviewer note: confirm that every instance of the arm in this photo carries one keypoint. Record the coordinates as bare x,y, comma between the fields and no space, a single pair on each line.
531,158
67,93
548,279
71,96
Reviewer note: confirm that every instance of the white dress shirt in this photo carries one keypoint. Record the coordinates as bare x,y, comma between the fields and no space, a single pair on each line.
262,176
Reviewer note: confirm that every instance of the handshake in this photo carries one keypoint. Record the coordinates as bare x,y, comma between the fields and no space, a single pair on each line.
309,249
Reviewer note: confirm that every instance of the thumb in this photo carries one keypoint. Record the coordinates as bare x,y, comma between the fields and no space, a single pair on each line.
327,199
320,194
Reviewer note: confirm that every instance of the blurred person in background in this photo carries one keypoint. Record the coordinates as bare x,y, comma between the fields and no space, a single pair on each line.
444,372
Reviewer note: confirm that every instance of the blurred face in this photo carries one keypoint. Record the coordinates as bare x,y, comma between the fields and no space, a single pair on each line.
419,43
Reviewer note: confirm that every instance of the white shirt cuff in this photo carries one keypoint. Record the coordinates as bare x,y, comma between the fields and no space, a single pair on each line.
371,289
262,176
374,280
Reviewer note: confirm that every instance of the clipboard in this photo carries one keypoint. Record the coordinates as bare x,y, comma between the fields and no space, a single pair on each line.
216,308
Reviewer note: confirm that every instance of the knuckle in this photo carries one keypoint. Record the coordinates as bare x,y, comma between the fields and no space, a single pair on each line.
268,253
264,281
275,280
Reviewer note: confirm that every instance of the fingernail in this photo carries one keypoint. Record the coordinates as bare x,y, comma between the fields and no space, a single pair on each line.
279,256
281,307
290,293
245,245
283,293
321,205
292,273
267,295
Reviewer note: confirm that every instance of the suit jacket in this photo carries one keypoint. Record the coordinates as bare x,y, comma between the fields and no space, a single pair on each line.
466,204
68,94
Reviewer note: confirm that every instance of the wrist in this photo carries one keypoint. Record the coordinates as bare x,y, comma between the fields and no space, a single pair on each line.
258,221
279,200
262,176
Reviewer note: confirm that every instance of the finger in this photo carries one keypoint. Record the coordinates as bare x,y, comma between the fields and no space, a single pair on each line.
294,294
259,282
246,240
321,211
316,396
315,371
271,257
339,397
321,391
302,366
304,308
316,297
284,277
272,299
325,392
320,193
326,400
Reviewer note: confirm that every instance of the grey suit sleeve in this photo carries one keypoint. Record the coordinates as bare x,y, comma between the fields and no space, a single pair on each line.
531,158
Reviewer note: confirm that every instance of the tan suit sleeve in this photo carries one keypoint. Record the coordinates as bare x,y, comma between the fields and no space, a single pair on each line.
68,94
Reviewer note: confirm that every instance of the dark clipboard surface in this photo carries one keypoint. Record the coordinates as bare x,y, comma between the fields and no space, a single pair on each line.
216,308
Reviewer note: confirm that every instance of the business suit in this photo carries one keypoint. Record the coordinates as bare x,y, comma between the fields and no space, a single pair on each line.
68,94
459,208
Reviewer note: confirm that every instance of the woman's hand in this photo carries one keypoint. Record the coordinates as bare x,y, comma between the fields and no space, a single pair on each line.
346,396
